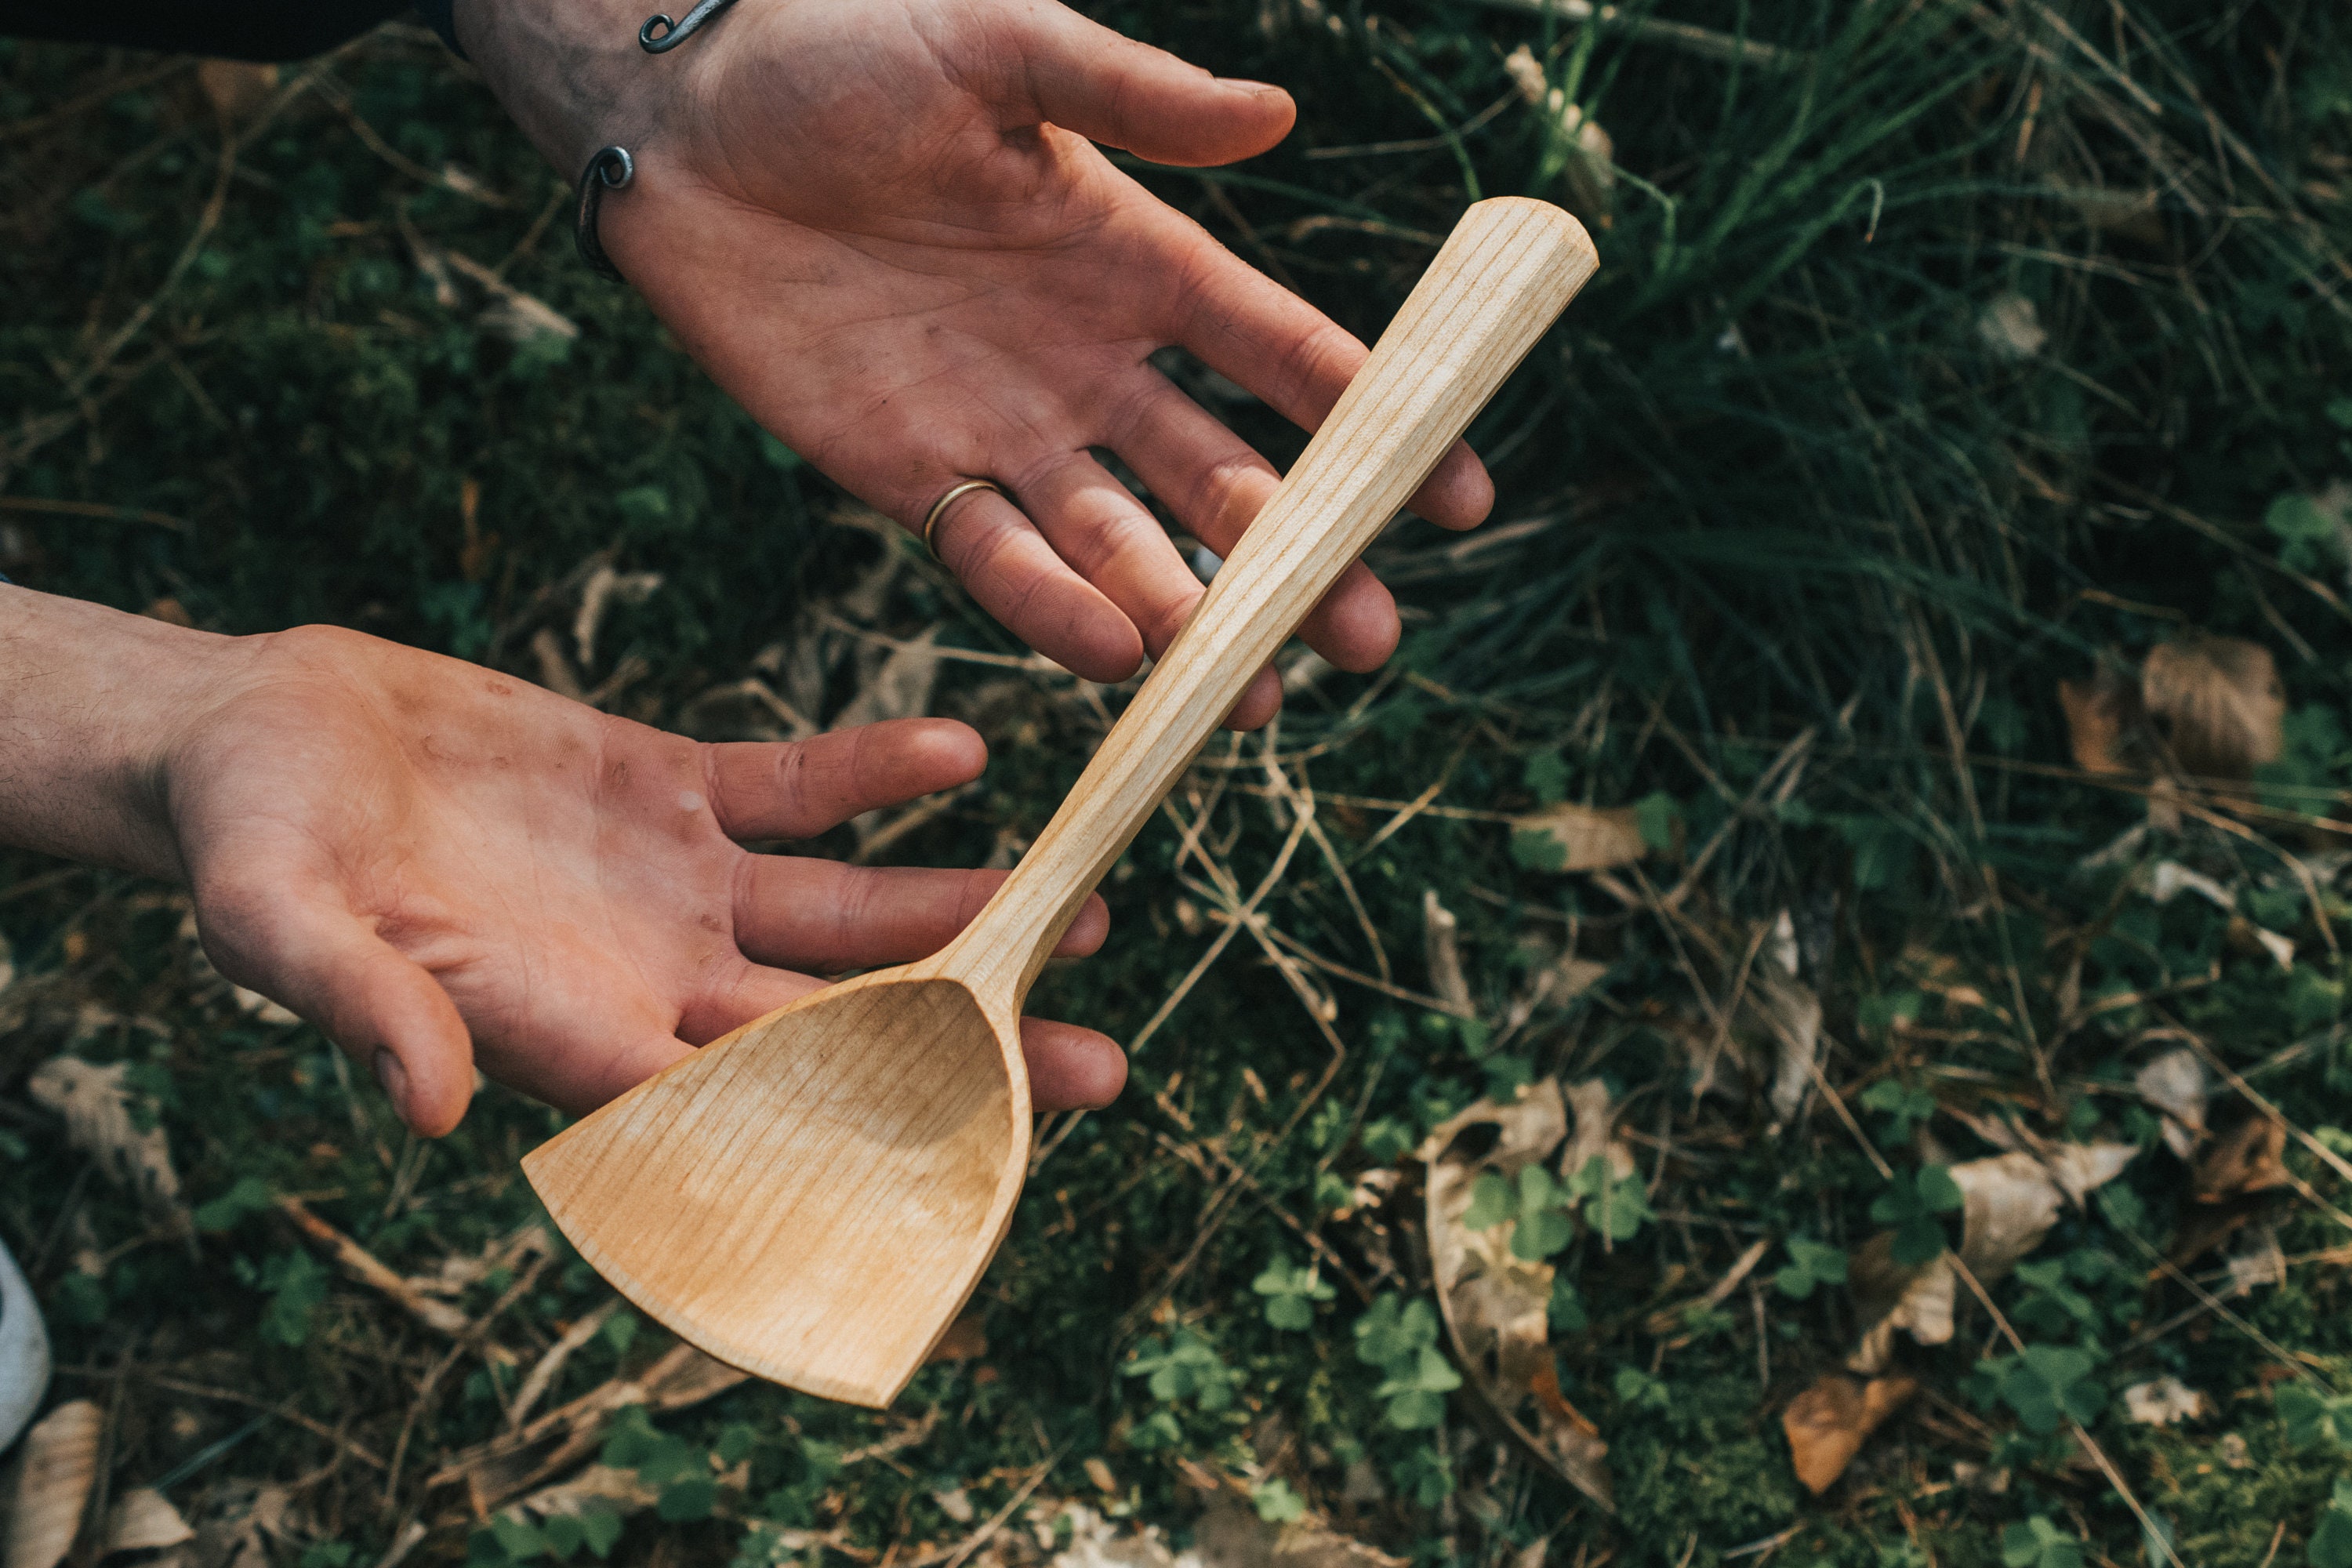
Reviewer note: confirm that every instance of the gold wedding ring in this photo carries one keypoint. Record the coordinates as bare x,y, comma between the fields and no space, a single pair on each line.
940,507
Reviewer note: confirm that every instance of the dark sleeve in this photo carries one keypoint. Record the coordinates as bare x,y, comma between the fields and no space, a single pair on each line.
237,29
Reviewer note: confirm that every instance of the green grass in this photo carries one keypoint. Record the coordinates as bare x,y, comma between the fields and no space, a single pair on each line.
1787,484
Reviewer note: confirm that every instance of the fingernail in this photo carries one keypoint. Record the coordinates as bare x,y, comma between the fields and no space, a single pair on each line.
395,1079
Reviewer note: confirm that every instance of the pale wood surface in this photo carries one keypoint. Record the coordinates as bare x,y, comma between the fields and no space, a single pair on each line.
813,1197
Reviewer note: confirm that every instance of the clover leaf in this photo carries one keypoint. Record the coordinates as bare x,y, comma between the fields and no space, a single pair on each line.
1810,1263
1291,1292
1910,1204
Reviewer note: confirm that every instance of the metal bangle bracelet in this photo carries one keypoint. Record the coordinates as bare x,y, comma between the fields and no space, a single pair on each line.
610,168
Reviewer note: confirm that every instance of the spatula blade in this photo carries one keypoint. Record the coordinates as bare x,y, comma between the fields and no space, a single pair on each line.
812,1198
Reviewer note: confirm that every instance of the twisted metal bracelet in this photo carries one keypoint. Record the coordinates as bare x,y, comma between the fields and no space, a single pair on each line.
611,167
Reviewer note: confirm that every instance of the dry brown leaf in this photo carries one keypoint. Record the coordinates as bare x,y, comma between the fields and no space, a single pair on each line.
1589,838
1230,1535
2218,703
1440,937
966,1339
2012,1200
143,1520
7,964
515,1462
2249,1158
1827,1424
2012,327
1792,1014
1495,1304
2101,713
521,318
2009,1202
1592,1121
899,688
236,89
2162,1402
96,1103
2174,1083
1892,1299
604,590
59,1466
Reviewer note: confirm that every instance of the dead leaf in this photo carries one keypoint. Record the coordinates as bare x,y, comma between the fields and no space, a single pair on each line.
745,710
1497,1305
966,1339
2244,936
1230,1535
1439,929
2257,1261
236,89
605,589
2012,1200
521,318
1827,1424
900,687
2218,703
143,1520
2009,1202
2101,716
1593,1123
2249,1158
2012,327
59,1466
1583,837
1893,1300
262,1010
514,1462
2162,1402
2174,1083
2167,879
7,964
96,1103
1792,1014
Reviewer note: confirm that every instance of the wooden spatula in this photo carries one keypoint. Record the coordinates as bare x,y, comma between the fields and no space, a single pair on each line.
812,1197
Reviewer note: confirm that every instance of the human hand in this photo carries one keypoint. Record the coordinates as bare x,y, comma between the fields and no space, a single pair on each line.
443,867
881,226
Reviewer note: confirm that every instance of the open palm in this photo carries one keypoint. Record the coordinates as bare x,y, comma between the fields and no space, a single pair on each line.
441,866
884,226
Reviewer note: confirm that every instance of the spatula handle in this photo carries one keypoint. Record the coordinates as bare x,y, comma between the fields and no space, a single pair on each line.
1506,273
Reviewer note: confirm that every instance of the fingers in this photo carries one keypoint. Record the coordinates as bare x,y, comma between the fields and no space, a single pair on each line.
826,917
1108,538
1070,1068
1108,88
807,787
1012,572
1248,329
1216,485
333,968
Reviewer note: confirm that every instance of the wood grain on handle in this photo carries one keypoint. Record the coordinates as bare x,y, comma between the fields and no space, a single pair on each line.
1506,273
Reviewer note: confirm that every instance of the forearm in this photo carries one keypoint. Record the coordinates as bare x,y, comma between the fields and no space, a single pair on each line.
90,701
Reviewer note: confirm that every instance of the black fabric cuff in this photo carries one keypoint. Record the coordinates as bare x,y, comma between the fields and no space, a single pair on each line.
237,29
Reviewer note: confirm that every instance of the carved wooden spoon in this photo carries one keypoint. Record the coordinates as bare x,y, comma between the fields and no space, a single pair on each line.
812,1197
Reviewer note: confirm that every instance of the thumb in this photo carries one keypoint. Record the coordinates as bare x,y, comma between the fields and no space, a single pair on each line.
391,1016
1108,88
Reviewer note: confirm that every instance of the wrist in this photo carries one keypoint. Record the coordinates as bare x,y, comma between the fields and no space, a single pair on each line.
568,72
91,702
